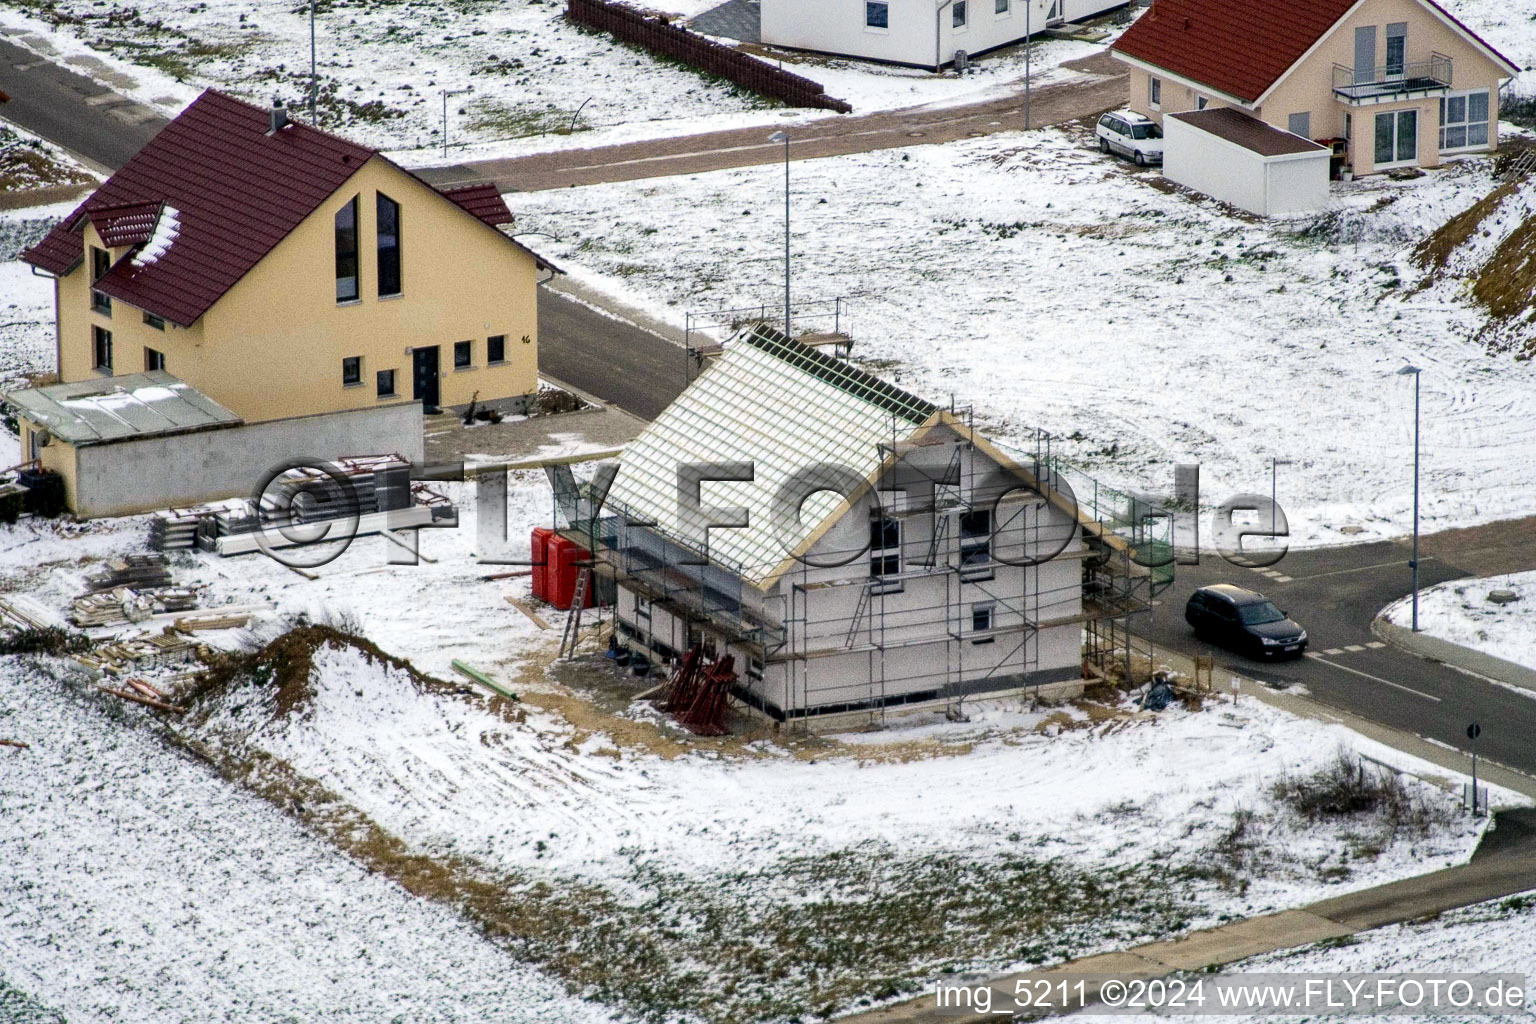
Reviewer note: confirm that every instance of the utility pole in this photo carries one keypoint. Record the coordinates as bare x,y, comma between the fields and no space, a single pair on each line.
784,138
1029,6
446,94
1414,564
312,71
1273,463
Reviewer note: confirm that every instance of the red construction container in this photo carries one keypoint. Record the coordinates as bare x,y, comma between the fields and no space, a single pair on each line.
539,545
563,556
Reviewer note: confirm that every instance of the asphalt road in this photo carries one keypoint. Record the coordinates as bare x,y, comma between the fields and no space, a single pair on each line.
1335,593
632,368
71,110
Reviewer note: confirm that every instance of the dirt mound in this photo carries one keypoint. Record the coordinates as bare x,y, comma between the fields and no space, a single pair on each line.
1491,248
286,664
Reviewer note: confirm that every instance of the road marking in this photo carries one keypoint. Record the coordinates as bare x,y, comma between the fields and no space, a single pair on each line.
1375,645
1334,650
1378,679
101,98
1364,568
1353,647
1284,579
29,65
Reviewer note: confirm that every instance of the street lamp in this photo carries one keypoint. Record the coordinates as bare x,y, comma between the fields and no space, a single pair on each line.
446,94
312,73
1415,562
784,138
1273,463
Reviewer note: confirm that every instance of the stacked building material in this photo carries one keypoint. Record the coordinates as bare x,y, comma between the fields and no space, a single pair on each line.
141,654
137,572
697,696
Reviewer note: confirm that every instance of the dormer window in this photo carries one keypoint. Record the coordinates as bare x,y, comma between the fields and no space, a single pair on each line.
346,252
101,262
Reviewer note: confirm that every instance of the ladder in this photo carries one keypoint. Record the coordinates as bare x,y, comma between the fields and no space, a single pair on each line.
858,616
573,621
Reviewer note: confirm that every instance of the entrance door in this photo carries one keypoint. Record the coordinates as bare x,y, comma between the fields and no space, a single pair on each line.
424,378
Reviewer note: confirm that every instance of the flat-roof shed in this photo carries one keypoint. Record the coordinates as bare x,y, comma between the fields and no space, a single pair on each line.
129,407
1238,159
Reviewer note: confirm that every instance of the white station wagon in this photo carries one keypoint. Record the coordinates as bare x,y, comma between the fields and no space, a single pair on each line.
1132,135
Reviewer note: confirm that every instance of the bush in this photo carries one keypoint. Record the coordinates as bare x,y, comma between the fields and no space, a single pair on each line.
1346,788
49,640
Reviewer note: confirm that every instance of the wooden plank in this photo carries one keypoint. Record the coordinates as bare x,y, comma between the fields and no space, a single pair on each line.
537,621
482,679
507,575
149,702
15,743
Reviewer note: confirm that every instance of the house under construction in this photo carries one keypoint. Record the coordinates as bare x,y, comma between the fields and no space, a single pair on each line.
884,554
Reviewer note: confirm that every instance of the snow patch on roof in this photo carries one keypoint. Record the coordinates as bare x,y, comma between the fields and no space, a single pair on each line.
167,227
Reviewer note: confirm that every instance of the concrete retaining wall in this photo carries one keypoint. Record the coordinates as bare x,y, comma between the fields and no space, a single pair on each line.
185,469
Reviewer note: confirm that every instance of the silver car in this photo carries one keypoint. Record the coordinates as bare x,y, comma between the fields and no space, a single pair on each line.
1131,135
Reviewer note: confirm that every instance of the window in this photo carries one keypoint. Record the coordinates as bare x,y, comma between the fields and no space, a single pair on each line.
1154,92
158,323
101,262
877,14
1299,124
1464,120
101,349
389,246
1002,6
351,371
1397,39
884,554
976,545
346,252
1200,103
982,621
642,610
1397,137
386,383
462,353
496,348
153,360
959,12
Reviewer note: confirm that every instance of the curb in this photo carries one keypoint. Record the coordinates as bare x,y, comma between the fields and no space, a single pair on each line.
1455,655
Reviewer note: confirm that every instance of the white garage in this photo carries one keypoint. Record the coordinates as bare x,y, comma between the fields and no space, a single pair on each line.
1239,159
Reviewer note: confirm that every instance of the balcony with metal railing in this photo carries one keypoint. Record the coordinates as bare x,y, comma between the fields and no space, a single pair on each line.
1392,82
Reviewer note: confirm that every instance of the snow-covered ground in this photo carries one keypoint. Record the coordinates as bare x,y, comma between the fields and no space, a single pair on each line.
619,804
1498,937
140,887
1055,289
1459,611
383,69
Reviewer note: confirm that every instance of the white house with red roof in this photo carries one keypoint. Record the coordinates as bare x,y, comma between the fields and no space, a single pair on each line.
1385,83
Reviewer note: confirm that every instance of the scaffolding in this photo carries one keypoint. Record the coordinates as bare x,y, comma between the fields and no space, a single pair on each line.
1126,560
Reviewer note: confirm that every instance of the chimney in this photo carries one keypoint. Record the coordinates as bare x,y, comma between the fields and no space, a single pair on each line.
279,116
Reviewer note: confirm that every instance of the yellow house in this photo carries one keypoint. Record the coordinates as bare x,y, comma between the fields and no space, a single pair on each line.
1389,83
284,272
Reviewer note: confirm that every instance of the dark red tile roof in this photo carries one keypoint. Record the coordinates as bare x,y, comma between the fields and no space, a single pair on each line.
230,193
1241,47
484,201
236,192
130,224
1247,131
